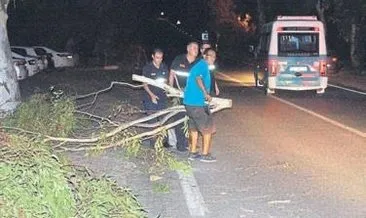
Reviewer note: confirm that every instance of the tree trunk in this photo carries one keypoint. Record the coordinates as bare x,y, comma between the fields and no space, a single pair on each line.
261,12
9,89
320,9
355,46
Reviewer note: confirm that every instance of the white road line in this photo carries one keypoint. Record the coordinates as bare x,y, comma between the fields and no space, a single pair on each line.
194,199
231,79
353,130
347,89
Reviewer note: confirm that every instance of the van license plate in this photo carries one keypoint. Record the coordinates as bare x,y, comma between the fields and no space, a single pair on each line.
299,69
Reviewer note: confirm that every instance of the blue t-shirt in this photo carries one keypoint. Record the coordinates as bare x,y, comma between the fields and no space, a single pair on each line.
193,95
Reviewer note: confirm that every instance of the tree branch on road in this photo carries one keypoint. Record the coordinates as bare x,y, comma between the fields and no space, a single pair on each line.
164,116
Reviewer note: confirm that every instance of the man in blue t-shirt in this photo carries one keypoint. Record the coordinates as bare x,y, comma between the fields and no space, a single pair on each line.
197,91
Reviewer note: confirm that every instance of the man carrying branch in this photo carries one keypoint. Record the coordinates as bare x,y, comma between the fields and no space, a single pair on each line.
197,91
155,98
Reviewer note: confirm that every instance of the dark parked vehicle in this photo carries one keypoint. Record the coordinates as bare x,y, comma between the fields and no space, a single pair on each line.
334,63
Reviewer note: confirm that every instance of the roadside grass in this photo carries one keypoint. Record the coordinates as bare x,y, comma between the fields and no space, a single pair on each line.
44,115
35,181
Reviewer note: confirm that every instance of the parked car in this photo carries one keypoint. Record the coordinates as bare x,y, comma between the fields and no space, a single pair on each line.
60,59
29,51
20,68
30,63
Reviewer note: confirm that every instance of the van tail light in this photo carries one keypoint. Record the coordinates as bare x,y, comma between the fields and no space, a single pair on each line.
323,68
272,67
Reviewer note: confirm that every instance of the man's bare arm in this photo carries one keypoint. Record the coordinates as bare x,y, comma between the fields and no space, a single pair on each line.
203,89
171,77
153,97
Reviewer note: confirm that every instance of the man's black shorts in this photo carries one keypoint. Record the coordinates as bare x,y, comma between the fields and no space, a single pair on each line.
200,120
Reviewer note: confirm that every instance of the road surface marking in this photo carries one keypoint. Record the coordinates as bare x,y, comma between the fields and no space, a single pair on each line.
347,89
348,128
194,199
353,130
231,79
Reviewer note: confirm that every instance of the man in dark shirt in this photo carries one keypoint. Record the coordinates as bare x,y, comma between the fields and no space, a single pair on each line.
215,91
155,98
181,65
179,70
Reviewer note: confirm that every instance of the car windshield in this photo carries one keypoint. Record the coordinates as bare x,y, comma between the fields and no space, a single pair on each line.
298,44
40,51
20,51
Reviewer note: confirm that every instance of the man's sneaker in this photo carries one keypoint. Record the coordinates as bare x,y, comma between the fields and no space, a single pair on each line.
194,156
208,158
182,149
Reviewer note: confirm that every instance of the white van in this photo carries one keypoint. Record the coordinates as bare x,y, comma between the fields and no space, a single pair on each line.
292,55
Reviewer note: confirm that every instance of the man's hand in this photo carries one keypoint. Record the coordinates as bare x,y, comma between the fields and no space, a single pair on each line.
217,90
208,97
154,99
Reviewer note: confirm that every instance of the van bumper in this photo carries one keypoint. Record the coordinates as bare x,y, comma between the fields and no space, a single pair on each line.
272,85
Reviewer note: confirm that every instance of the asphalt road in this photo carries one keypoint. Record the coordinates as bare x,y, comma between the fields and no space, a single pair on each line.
290,155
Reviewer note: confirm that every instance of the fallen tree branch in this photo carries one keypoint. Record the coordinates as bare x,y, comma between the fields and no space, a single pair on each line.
106,89
20,130
98,117
96,94
116,130
124,141
170,90
216,104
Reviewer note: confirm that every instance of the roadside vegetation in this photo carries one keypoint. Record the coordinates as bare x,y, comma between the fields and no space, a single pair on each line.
37,180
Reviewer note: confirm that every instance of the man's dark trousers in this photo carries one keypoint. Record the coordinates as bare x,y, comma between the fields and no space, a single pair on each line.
182,141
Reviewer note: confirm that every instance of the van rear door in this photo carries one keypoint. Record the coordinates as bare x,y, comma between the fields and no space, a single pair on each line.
298,59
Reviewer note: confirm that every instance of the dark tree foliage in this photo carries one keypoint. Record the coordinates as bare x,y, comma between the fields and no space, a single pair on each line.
95,27
111,29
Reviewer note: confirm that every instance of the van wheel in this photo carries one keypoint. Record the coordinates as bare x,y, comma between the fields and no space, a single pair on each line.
268,91
319,92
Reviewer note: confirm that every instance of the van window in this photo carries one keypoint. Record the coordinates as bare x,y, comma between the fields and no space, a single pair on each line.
298,44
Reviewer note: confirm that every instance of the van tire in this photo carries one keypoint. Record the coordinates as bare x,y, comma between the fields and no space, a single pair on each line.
317,94
320,92
268,92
